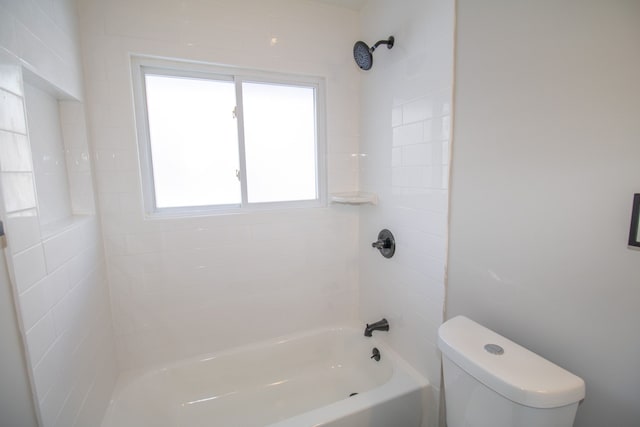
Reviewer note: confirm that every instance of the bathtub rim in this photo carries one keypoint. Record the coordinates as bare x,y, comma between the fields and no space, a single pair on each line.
404,378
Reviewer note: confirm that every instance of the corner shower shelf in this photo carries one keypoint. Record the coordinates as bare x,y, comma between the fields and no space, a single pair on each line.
355,198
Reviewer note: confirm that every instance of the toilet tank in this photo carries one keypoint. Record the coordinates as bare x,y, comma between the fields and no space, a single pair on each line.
490,381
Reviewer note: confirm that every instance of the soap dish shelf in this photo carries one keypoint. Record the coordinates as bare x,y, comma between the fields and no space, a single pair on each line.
355,198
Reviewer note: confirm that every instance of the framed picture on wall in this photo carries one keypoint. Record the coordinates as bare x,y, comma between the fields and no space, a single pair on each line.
634,230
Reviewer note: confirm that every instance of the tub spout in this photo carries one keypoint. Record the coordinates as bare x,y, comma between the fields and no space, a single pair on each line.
380,325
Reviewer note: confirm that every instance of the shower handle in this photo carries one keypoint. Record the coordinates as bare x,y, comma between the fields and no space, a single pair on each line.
386,243
382,244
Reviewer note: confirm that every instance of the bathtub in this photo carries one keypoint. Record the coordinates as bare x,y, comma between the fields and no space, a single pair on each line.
295,381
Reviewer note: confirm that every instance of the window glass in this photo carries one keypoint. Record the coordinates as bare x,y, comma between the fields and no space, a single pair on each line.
280,142
194,141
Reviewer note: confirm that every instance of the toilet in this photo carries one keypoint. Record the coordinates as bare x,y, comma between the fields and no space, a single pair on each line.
490,381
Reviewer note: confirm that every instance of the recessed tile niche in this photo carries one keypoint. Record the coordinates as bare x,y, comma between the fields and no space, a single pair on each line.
59,150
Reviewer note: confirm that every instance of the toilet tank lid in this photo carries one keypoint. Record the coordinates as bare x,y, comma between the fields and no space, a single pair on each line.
517,373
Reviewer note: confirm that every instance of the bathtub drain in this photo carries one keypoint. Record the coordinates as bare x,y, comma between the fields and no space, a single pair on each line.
352,394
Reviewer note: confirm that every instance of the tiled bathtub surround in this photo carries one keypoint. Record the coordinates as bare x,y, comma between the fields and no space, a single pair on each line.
67,323
405,121
185,286
58,272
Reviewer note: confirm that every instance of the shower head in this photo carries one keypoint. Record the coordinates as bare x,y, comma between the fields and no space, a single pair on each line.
363,54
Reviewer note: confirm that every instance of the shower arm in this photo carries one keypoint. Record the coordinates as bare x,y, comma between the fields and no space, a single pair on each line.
388,42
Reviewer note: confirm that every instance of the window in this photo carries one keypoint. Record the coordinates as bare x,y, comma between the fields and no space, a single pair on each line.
222,139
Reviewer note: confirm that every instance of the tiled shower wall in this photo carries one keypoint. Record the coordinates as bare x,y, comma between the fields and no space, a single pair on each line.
191,285
405,140
57,271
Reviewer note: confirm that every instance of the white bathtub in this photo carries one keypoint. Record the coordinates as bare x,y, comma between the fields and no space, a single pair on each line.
296,381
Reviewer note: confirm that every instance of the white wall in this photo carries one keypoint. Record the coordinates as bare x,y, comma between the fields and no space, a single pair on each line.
405,133
57,272
545,162
187,286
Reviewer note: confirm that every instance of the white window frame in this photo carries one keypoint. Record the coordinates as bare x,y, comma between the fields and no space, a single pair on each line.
141,65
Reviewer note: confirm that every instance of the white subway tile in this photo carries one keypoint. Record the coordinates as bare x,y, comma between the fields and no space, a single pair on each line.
396,116
76,397
408,134
34,303
74,133
60,248
18,191
144,242
83,264
430,130
58,285
29,267
39,338
81,193
23,230
130,202
446,154
77,160
112,181
400,177
98,396
64,16
127,160
15,154
396,156
446,127
418,110
71,113
52,403
10,74
63,313
12,113
417,154
105,159
52,367
111,137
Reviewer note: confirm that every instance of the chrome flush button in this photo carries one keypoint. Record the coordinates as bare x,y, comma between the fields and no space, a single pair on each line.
494,349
